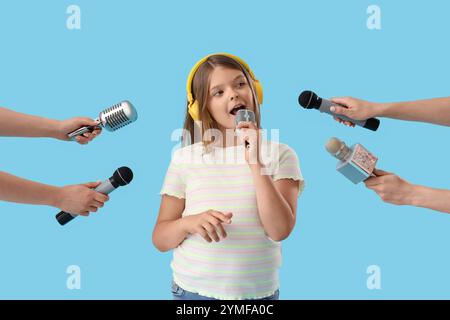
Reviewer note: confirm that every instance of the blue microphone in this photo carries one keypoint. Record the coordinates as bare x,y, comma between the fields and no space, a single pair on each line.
356,163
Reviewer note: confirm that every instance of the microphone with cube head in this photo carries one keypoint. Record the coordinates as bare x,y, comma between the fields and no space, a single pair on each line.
121,177
111,119
310,100
356,163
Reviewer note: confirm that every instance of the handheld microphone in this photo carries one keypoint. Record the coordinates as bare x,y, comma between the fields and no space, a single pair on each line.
245,115
310,100
121,177
113,118
356,163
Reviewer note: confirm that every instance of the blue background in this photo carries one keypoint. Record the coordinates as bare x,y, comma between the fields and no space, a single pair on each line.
143,51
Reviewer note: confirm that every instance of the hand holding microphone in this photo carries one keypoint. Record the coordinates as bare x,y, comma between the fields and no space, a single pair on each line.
248,132
121,177
392,189
76,123
242,116
246,120
310,100
354,109
80,198
113,118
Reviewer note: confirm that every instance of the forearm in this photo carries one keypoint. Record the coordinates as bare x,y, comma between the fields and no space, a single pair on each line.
435,199
275,213
169,234
15,189
435,111
23,125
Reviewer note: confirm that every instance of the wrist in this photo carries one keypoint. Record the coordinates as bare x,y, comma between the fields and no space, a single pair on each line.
185,225
382,109
419,195
52,128
54,197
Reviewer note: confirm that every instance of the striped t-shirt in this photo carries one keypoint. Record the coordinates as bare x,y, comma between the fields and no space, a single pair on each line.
245,264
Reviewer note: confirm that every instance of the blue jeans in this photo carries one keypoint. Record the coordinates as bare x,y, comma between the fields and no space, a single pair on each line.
181,294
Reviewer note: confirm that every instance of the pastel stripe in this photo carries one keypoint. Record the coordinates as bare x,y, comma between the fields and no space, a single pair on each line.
246,262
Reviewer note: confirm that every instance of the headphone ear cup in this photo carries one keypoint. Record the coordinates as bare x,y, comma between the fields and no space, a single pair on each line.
194,111
259,91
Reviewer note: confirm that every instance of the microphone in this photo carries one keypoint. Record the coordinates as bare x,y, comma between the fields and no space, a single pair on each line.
356,163
244,115
113,118
121,177
310,100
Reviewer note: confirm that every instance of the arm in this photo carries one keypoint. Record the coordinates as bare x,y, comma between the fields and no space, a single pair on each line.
15,189
393,189
435,111
171,228
277,203
23,125
79,199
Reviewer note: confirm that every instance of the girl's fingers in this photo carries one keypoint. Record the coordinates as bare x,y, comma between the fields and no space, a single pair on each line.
211,231
223,233
217,224
246,125
221,216
202,232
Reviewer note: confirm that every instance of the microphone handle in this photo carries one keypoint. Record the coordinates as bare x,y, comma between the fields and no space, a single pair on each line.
371,124
72,135
106,187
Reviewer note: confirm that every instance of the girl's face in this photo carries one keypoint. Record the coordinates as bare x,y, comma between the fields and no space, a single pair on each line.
228,92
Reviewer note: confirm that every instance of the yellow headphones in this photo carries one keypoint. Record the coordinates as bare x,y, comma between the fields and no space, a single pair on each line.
193,107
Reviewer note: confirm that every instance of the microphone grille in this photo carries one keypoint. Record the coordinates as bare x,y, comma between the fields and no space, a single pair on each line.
123,176
305,98
117,119
119,115
333,145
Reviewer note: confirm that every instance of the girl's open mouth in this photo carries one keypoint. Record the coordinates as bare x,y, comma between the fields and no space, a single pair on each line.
237,108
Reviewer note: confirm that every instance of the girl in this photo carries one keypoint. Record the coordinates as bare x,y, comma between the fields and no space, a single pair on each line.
223,210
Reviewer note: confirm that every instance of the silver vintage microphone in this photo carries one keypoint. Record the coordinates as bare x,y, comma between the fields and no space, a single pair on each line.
113,118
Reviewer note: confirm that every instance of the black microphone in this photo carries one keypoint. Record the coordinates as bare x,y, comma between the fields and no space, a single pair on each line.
121,177
310,100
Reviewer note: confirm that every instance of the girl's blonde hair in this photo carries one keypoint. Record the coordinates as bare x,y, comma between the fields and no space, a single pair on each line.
200,89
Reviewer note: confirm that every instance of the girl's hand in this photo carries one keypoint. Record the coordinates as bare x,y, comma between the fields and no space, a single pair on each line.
250,136
208,224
